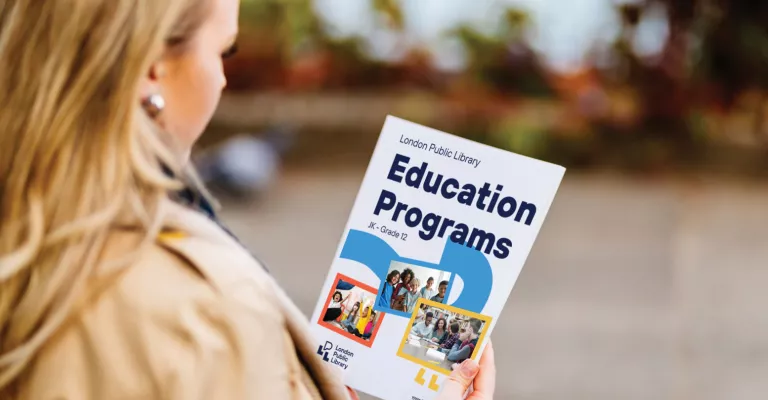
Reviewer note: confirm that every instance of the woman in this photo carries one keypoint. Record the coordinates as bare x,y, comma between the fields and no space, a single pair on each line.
116,281
405,279
440,333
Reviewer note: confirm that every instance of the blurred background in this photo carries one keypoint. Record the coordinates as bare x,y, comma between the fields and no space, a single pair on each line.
649,278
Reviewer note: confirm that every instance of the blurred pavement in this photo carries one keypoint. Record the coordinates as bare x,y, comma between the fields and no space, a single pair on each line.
635,289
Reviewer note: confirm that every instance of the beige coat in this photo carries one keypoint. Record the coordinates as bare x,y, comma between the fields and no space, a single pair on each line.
195,318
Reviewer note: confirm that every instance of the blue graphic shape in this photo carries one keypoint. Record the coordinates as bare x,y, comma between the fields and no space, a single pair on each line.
342,285
369,250
474,269
470,264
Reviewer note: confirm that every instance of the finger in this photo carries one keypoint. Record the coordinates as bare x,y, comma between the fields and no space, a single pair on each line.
485,382
459,380
352,394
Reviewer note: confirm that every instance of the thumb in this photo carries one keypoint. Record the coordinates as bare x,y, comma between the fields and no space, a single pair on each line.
458,382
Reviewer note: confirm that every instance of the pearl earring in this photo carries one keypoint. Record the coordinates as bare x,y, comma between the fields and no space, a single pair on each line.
154,105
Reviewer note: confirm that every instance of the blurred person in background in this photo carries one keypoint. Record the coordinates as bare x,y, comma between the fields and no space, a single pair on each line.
245,166
116,279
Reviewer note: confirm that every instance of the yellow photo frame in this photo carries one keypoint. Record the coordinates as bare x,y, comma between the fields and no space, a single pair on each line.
431,365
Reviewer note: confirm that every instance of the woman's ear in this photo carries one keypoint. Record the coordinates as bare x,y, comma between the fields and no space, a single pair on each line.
151,95
151,83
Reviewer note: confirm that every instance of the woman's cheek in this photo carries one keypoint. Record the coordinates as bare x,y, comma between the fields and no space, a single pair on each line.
213,85
208,93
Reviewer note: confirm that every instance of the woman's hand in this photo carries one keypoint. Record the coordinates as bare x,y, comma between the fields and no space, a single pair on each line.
352,394
468,372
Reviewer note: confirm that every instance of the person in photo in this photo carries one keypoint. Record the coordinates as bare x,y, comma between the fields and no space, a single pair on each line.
451,339
424,328
428,292
412,296
440,332
420,314
398,301
351,317
440,296
362,322
462,351
387,291
369,326
407,297
405,278
334,308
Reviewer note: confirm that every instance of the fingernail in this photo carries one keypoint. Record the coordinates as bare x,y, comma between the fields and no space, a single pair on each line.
469,369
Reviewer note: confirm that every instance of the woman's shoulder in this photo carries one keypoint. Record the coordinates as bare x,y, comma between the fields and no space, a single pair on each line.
164,280
179,266
166,274
163,321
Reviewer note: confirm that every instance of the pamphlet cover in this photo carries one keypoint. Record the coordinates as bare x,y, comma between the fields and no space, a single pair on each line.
435,241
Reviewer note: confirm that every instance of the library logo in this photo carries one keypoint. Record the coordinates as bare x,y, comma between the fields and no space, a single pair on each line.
323,350
335,355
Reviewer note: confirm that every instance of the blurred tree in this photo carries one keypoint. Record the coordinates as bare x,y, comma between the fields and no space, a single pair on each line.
733,54
291,23
504,62
259,63
715,51
392,11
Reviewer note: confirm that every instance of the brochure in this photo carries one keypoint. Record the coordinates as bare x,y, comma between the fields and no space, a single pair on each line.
437,237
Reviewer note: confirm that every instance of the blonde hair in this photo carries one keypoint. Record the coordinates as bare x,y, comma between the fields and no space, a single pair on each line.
77,152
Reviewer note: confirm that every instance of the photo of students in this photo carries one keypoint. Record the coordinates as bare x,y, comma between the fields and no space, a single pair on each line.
349,310
440,296
405,284
446,336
